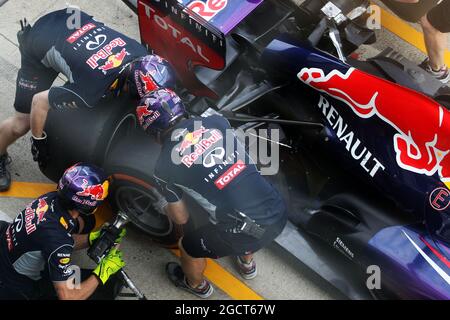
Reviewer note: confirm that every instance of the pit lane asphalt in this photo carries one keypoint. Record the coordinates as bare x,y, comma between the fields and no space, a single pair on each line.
280,275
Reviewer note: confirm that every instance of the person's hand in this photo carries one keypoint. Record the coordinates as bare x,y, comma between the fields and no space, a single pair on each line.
39,150
111,264
94,235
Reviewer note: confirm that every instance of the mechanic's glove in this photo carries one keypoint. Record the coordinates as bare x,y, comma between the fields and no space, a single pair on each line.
95,234
39,150
160,205
109,265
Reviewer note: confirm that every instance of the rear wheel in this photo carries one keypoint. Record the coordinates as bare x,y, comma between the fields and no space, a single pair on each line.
137,198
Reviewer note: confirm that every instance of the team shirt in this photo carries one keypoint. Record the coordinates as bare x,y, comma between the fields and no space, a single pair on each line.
38,240
91,56
204,159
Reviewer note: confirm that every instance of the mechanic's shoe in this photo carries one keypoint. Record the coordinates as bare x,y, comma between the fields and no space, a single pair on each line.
247,270
5,176
176,275
443,75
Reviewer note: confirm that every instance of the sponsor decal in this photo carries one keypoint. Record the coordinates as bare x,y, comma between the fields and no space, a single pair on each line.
439,199
200,146
230,175
41,210
220,166
146,117
190,139
80,32
30,227
100,39
421,144
208,9
147,80
178,34
353,145
214,157
27,84
63,222
96,192
106,53
340,245
64,260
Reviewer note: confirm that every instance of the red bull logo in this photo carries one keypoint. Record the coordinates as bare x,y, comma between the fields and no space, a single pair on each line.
41,210
191,139
96,192
106,53
422,141
146,117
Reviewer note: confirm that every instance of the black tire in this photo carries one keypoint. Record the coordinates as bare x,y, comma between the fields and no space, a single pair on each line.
82,134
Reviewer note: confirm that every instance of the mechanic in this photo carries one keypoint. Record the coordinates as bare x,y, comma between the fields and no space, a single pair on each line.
36,248
98,63
436,26
246,211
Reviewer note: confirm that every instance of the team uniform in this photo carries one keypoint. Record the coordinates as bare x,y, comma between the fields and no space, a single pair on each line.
204,159
37,244
91,56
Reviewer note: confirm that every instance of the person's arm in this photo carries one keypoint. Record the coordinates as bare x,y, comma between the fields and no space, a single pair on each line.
39,111
66,290
178,212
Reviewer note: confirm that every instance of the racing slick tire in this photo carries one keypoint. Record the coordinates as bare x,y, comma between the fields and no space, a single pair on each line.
82,135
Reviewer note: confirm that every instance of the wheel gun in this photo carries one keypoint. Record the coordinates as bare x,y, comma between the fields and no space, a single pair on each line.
105,242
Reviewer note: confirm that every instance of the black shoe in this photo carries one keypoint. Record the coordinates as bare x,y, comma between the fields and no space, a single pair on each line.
443,75
176,275
5,176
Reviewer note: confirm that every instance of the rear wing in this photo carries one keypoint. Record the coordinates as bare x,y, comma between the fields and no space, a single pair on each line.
184,38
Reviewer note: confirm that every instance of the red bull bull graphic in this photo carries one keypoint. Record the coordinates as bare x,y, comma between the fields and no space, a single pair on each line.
114,61
422,141
191,139
41,210
146,117
96,192
149,84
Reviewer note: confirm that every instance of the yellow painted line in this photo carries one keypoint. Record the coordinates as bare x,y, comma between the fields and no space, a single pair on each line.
406,32
227,282
28,190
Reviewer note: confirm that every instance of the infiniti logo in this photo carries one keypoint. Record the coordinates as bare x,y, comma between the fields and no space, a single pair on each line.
99,41
214,157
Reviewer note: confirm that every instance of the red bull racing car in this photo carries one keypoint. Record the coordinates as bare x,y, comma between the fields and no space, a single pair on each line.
363,146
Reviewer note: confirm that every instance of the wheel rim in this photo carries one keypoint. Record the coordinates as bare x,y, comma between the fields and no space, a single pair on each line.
138,205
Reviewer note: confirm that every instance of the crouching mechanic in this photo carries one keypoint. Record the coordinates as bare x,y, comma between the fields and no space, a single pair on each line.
98,63
36,248
246,211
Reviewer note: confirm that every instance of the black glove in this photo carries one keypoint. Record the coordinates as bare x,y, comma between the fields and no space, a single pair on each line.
39,150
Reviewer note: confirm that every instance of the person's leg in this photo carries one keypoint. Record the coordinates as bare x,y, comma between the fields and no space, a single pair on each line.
436,44
193,268
10,130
